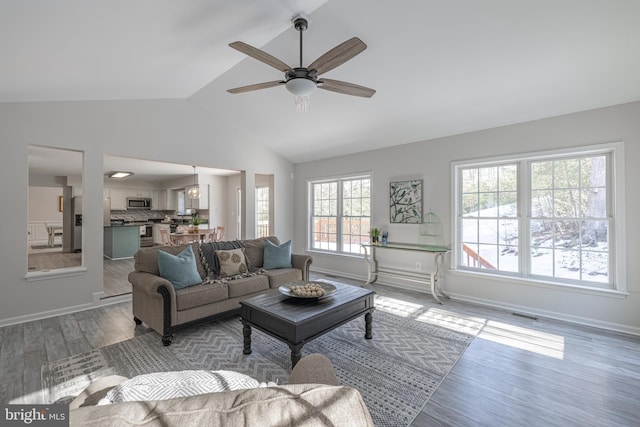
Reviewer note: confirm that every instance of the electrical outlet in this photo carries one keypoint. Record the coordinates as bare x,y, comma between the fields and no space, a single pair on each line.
418,266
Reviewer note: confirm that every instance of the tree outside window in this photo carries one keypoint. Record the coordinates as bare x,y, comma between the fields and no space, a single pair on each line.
543,217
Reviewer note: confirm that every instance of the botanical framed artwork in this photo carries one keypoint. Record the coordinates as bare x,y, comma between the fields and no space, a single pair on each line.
405,201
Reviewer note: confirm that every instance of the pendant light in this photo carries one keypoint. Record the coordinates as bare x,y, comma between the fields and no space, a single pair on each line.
194,192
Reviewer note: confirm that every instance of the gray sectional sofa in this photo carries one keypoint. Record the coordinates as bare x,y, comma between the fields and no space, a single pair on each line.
163,308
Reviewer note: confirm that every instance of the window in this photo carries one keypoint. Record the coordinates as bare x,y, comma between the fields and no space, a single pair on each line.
262,211
340,214
547,217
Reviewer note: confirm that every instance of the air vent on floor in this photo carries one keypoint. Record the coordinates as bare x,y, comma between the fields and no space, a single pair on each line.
526,316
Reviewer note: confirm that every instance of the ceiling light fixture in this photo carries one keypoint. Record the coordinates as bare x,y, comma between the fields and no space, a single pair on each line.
119,174
194,192
301,88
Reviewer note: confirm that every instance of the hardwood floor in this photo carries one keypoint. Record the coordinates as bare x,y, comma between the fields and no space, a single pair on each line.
517,371
115,271
116,274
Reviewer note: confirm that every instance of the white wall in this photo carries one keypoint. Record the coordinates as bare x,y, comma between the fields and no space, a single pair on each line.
218,188
43,204
431,161
175,131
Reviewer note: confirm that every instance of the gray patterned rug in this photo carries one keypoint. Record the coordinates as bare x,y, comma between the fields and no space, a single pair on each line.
396,372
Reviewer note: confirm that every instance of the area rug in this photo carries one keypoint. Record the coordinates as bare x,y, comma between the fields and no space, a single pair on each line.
396,372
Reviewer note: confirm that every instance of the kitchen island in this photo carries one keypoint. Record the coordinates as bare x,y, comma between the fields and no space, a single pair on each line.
121,241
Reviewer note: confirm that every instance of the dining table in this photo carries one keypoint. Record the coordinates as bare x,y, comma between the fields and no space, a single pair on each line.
181,238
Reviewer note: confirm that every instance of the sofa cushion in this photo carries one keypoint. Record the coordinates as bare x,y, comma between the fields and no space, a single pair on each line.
277,256
282,276
181,270
254,250
195,296
146,259
247,285
232,262
307,404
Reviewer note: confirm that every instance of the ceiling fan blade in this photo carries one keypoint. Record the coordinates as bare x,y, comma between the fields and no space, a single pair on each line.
338,55
257,86
345,88
260,55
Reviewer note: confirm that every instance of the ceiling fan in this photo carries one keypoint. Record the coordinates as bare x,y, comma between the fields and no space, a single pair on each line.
303,81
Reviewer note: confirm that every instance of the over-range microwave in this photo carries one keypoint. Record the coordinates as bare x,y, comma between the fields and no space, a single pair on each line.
138,203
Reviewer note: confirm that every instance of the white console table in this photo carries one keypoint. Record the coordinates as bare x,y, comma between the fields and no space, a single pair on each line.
432,278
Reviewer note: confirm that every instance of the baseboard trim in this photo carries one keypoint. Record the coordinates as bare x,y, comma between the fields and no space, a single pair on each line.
337,274
65,310
594,323
578,320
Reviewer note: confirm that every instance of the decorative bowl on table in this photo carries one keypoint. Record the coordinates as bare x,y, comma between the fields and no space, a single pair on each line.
307,290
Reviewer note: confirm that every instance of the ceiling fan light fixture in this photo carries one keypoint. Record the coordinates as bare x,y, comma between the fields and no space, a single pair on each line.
301,86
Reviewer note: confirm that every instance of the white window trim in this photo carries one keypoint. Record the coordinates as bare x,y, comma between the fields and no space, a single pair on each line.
618,209
320,180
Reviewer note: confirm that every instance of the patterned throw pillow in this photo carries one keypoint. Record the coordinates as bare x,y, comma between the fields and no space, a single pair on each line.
169,385
232,262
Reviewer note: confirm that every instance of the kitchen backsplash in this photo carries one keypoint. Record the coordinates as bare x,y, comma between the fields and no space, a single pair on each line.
143,215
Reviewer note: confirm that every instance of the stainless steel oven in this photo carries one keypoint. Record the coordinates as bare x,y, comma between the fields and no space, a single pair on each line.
146,235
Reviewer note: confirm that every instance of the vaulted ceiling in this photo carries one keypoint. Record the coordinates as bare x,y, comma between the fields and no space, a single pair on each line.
439,67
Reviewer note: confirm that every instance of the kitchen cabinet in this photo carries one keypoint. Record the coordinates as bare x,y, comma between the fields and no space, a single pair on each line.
118,198
172,200
121,241
164,200
200,203
136,192
155,200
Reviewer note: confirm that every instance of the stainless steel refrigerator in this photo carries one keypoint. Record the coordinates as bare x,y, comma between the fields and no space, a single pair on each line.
76,229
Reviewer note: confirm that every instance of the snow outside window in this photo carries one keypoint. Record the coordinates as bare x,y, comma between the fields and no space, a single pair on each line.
547,217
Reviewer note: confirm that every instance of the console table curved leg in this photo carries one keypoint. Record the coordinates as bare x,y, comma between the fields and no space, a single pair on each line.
246,332
437,277
372,265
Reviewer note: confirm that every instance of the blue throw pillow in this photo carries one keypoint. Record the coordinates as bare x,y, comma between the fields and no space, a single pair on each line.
180,270
276,256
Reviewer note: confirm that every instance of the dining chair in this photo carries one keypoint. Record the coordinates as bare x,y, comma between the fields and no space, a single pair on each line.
53,230
165,238
219,233
208,234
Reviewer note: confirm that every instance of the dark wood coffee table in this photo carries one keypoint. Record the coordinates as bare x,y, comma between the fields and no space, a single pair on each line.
297,321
